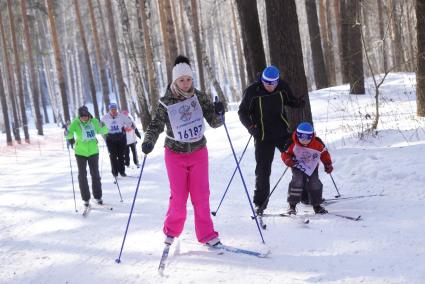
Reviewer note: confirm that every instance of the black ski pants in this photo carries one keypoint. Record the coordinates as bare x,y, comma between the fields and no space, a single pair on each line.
264,154
93,162
301,182
127,155
116,147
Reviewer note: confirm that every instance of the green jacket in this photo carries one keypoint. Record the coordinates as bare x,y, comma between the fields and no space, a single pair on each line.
161,119
85,133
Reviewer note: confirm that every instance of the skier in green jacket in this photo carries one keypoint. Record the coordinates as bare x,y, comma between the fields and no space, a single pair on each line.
82,132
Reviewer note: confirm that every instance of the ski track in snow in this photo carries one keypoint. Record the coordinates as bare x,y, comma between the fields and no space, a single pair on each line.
43,240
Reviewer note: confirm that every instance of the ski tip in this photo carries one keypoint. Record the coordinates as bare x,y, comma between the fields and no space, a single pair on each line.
306,221
359,218
118,260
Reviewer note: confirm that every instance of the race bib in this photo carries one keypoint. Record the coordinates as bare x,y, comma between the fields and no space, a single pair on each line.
187,120
114,127
307,159
89,133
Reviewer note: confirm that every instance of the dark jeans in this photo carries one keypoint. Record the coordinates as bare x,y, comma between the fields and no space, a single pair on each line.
264,154
116,149
127,155
311,184
93,162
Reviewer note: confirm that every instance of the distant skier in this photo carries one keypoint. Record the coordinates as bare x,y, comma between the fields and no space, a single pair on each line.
116,138
263,112
302,154
82,132
131,133
183,109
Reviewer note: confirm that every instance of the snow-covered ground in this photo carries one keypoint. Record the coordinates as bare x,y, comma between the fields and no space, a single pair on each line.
43,240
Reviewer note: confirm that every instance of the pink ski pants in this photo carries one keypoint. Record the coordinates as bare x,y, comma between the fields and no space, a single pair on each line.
188,174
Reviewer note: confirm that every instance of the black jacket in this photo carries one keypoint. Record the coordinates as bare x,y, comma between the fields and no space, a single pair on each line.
267,110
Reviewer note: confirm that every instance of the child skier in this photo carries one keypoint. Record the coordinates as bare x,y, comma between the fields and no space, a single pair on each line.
302,154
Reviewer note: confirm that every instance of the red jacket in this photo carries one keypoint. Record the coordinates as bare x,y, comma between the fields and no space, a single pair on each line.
316,143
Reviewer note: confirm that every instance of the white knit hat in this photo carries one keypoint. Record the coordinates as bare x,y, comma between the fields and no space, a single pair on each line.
182,69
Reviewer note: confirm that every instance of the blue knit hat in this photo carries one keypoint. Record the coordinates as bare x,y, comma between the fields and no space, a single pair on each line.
270,75
113,106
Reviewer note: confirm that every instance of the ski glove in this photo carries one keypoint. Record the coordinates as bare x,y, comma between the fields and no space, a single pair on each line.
254,131
71,142
328,168
290,162
218,108
147,147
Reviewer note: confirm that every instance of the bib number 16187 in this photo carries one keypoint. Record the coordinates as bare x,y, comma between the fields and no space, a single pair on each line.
190,132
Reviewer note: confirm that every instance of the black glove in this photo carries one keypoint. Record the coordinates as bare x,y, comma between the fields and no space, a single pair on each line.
71,142
147,147
218,107
254,131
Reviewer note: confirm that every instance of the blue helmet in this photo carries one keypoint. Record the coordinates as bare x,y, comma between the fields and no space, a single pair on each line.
305,131
270,75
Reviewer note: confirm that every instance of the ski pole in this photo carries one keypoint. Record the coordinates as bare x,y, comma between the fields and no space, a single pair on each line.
240,173
275,186
336,196
70,167
231,179
118,186
118,260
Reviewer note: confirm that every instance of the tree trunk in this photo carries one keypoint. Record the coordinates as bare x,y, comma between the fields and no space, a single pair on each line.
99,58
345,45
329,50
5,112
58,60
252,41
382,35
356,50
398,55
165,40
18,73
114,46
316,45
196,33
33,74
125,23
145,14
286,53
10,85
87,59
239,48
420,71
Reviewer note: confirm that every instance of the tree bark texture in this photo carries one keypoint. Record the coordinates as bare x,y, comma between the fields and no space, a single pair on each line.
319,68
117,63
18,72
355,62
198,48
420,71
31,64
286,53
87,59
252,41
99,58
58,60
137,77
10,85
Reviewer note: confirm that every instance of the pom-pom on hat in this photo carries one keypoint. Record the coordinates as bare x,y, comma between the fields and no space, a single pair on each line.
270,75
182,67
113,106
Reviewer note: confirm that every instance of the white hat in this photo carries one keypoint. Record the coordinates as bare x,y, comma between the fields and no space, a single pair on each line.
182,69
